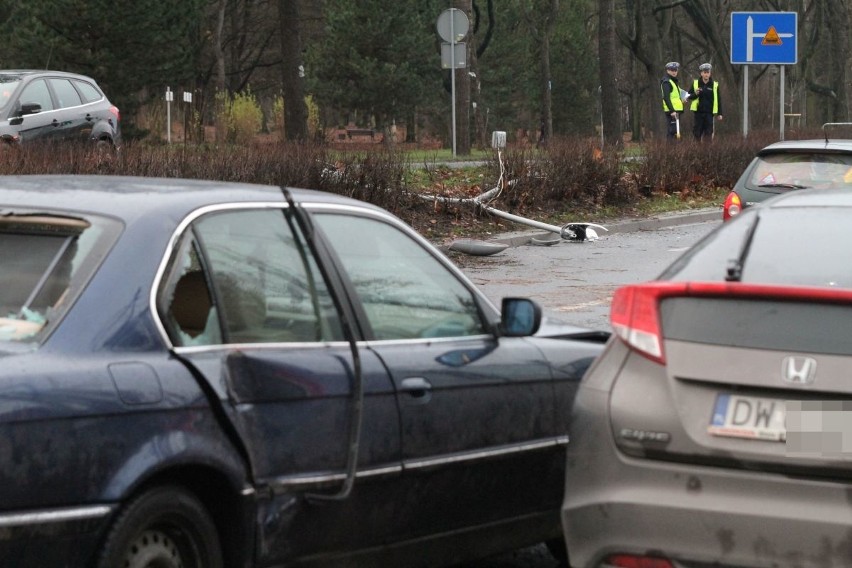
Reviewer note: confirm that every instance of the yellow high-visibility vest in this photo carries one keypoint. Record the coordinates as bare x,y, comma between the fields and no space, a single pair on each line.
694,106
674,97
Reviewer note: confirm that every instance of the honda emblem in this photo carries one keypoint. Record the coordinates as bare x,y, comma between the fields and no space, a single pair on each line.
798,370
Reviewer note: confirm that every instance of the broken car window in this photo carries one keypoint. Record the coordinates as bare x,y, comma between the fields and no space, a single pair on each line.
259,284
41,257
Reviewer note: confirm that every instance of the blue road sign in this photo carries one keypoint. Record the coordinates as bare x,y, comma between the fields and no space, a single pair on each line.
764,38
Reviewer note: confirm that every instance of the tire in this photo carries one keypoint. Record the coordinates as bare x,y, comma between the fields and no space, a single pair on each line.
166,527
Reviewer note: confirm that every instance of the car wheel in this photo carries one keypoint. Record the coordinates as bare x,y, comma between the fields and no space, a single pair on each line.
163,528
104,147
557,548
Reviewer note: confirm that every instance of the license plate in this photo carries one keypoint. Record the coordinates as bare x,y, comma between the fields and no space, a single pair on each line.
749,417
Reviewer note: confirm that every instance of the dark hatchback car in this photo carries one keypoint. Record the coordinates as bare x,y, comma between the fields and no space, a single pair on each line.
53,106
792,165
716,427
201,374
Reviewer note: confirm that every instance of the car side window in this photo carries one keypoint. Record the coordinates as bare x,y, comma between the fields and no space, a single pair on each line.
66,94
36,92
88,91
263,285
406,292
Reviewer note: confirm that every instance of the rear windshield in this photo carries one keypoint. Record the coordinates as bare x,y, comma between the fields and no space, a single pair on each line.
44,261
805,246
802,170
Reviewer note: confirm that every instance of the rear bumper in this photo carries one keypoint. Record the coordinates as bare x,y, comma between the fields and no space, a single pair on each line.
55,537
691,514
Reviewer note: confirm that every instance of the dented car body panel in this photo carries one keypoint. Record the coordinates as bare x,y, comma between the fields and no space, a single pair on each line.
326,400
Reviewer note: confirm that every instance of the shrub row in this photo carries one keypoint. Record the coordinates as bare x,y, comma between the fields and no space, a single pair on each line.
569,173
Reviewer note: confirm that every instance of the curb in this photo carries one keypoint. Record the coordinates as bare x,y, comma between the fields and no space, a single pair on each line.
516,239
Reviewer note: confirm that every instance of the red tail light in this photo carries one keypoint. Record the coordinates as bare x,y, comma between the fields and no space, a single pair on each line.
114,111
634,561
733,206
635,309
635,316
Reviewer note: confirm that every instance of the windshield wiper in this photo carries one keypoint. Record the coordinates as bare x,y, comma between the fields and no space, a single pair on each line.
785,185
735,265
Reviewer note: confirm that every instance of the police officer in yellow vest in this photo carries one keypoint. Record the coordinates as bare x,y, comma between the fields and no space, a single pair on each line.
672,102
706,103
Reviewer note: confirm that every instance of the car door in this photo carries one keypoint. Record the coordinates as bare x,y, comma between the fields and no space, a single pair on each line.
479,440
70,112
40,125
249,309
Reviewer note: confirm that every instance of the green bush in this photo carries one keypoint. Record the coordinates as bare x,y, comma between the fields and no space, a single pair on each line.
245,118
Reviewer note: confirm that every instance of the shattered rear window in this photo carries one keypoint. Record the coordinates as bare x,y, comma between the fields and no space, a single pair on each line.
44,259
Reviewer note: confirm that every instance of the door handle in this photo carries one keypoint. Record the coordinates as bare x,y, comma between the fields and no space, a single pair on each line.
418,389
55,122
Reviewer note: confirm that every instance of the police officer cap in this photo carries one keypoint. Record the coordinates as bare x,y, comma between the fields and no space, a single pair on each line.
673,65
705,67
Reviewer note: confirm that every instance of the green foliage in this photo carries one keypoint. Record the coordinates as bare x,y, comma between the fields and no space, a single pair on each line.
509,69
375,59
278,116
243,116
127,47
313,116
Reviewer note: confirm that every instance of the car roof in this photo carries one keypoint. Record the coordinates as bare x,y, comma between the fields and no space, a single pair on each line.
815,145
26,72
830,198
129,198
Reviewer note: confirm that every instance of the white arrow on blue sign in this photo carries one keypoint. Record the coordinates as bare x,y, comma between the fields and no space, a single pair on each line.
764,38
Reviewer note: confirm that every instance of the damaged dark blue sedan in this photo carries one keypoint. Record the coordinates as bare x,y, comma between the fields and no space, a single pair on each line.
201,374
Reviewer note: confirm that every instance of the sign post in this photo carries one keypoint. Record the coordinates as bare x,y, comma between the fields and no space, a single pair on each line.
170,96
763,38
453,25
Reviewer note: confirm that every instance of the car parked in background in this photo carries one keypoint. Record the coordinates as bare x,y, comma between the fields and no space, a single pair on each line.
791,165
716,427
197,374
53,106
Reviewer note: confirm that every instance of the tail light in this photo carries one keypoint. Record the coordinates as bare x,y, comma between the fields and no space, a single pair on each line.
635,561
114,111
635,309
733,206
635,316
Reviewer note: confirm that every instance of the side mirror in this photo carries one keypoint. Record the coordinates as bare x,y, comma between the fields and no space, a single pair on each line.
30,108
520,317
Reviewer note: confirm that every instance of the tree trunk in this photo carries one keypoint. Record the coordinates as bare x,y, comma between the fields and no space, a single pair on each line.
838,24
611,116
546,131
293,72
221,93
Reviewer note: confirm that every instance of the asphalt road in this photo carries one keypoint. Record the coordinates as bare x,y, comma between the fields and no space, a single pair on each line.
574,281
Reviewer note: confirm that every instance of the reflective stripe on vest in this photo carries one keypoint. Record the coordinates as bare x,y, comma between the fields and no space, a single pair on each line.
674,97
694,106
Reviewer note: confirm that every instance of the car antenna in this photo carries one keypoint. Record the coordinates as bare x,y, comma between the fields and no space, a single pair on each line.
827,124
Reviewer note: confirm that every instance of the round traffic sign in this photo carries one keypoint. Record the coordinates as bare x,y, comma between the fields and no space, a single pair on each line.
453,25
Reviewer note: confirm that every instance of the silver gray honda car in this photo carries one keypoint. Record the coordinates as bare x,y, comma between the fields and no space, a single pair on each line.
716,427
